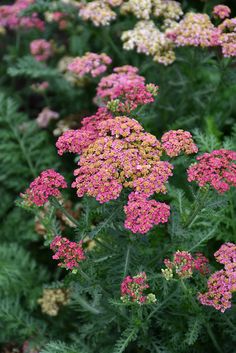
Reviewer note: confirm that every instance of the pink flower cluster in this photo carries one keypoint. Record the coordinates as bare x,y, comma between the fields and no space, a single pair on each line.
44,186
127,88
68,252
184,264
222,284
76,141
125,156
227,38
221,11
176,141
195,29
142,214
10,16
46,115
90,63
41,49
132,289
217,168
226,255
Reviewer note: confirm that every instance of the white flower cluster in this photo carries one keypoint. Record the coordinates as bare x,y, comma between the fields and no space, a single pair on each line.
148,39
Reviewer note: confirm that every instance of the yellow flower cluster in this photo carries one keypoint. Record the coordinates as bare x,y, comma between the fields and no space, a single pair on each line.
52,300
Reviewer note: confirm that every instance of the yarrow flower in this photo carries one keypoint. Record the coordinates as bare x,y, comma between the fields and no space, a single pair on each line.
140,8
221,11
133,290
130,96
44,186
167,9
195,29
41,49
222,284
53,299
120,77
227,37
217,169
176,141
92,63
76,141
226,255
125,90
148,39
11,16
68,252
99,12
184,264
45,116
142,214
122,155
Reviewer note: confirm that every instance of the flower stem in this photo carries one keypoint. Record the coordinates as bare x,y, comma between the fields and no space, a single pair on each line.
198,205
127,258
213,338
58,206
85,304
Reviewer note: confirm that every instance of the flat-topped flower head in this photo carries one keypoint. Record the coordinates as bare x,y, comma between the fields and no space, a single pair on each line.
44,186
226,254
90,63
222,284
76,141
142,214
221,11
195,29
99,12
168,9
218,295
68,252
11,16
228,37
133,290
217,169
184,264
146,38
41,49
176,141
123,157
110,86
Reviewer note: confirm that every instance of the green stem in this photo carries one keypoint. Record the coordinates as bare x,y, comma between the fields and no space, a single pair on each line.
127,258
57,205
203,239
87,306
198,205
83,274
161,304
103,245
213,338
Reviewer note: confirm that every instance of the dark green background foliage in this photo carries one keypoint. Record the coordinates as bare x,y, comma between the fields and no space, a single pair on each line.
197,93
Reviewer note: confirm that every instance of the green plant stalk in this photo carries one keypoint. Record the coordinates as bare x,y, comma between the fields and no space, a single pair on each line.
58,206
198,205
127,258
85,304
213,338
